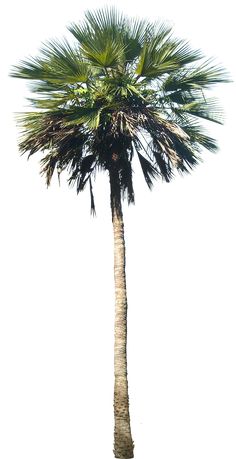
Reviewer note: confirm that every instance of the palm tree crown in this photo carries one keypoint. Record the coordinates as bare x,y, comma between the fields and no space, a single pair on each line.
124,87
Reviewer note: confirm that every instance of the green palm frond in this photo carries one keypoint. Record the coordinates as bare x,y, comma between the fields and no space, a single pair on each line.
107,54
99,37
84,115
58,63
208,109
162,54
54,101
197,135
107,19
202,77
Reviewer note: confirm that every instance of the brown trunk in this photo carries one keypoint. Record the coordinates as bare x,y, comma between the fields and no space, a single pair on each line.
123,443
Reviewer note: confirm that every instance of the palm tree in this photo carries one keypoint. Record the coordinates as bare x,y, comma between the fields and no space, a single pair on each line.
123,87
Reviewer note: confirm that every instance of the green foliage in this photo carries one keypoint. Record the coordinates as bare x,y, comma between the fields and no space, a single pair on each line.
124,86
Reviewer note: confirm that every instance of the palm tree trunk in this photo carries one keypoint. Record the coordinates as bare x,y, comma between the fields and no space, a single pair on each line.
123,443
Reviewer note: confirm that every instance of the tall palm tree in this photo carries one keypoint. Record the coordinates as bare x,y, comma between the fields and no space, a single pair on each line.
123,87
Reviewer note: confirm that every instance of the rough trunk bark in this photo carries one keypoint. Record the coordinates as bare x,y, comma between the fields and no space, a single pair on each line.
123,443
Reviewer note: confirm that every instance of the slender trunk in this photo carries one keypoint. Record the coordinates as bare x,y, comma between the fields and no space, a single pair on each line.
123,443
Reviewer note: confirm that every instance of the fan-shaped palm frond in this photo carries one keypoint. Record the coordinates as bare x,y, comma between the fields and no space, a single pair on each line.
58,63
201,77
163,55
208,109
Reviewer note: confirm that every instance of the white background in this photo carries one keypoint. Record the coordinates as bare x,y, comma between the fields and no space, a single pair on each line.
57,301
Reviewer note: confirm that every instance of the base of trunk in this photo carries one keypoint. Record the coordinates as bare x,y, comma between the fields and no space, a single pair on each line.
124,452
123,444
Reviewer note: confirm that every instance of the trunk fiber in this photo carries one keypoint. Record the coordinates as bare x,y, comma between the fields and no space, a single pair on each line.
123,443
